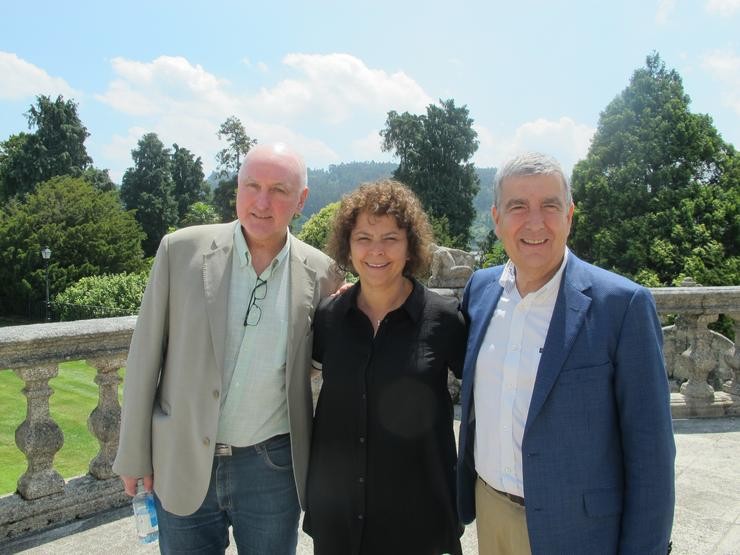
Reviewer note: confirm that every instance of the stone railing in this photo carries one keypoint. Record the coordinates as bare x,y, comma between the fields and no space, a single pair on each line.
34,352
702,365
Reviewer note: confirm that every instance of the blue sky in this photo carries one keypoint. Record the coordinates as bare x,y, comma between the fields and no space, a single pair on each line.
322,75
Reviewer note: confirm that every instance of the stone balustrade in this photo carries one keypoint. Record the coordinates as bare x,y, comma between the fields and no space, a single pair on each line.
702,367
34,353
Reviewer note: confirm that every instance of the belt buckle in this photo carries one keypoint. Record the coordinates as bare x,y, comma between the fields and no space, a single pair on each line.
222,450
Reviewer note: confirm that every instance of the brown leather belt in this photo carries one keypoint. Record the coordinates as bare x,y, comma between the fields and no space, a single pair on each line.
510,496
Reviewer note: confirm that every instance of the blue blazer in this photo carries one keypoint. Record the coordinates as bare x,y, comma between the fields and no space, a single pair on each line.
598,451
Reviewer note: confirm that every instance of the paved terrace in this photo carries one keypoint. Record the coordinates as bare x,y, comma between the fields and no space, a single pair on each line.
707,504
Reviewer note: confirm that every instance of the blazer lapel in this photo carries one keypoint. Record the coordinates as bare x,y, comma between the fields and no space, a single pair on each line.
216,281
567,319
302,285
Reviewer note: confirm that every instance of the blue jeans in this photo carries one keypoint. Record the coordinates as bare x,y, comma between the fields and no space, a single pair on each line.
253,491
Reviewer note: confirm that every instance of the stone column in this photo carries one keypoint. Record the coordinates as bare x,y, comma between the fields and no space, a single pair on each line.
733,361
699,358
39,437
105,419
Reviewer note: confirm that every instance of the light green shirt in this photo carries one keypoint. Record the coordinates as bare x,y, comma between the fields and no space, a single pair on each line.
254,404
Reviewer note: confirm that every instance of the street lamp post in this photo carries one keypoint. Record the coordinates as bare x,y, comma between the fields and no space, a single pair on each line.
46,255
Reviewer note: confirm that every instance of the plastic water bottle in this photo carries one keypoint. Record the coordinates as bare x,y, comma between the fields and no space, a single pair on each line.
145,516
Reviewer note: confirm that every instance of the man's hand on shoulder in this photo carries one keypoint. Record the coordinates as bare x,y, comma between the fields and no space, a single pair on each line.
346,286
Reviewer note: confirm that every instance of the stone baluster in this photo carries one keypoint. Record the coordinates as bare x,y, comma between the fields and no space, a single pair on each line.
699,358
733,361
39,437
105,419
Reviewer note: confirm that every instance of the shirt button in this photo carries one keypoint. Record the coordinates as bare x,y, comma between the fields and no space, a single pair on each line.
508,470
362,440
515,347
215,394
206,441
360,517
361,480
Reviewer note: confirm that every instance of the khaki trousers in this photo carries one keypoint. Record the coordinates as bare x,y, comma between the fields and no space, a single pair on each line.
501,523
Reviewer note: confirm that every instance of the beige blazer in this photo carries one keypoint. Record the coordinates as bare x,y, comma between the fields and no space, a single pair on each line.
173,382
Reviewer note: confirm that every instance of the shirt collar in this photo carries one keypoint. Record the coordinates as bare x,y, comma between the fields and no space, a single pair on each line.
245,258
508,277
413,305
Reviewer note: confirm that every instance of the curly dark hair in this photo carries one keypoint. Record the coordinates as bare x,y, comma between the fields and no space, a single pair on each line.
385,197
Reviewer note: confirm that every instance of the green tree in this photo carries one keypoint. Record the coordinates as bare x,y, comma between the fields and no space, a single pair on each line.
658,194
200,213
147,187
434,150
87,230
224,199
238,142
188,178
317,228
102,296
99,179
56,147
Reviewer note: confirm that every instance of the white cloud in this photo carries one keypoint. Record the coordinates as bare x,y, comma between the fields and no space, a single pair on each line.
368,148
724,66
183,102
333,86
166,85
723,7
565,139
665,9
22,79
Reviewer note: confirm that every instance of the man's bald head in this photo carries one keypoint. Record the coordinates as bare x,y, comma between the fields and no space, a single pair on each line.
277,154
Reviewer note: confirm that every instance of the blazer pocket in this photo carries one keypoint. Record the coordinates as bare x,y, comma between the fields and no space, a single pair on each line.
586,373
603,502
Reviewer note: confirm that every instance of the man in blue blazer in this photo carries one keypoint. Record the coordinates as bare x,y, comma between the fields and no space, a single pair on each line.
566,442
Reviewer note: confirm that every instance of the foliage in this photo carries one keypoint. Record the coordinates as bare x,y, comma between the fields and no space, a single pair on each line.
188,179
56,147
147,187
434,151
224,199
495,256
658,194
99,179
200,213
316,230
87,230
441,230
102,296
75,396
238,142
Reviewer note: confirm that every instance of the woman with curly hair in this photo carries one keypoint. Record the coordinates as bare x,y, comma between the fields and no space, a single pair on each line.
381,474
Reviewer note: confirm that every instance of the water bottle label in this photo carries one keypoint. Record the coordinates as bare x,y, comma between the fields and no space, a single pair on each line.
152,510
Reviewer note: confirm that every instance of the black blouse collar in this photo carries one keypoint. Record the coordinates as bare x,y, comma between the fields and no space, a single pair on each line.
413,305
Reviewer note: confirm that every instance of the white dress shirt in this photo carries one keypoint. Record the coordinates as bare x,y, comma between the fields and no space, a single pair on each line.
505,374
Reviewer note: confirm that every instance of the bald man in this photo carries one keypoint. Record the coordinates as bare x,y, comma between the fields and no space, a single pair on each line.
217,399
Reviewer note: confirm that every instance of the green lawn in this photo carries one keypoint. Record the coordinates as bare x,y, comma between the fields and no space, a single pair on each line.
75,396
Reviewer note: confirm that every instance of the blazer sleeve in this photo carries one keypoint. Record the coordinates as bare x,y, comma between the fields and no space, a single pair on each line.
143,367
649,450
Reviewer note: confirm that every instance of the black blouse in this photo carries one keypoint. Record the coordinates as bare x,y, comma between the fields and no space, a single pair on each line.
382,468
